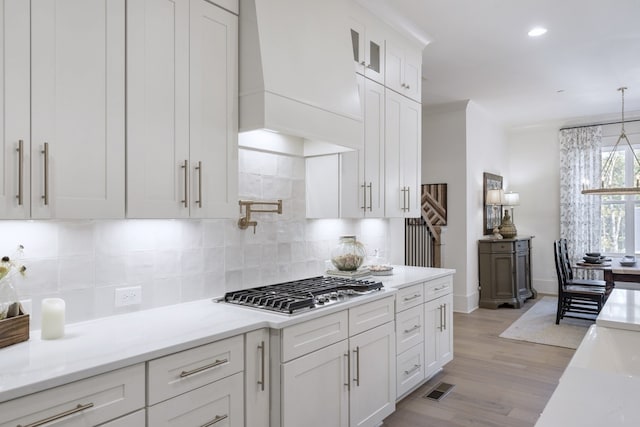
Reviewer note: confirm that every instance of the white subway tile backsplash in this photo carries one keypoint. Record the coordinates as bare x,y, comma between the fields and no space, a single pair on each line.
176,260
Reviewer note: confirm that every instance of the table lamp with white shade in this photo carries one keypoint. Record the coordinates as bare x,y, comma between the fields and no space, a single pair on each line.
508,228
495,198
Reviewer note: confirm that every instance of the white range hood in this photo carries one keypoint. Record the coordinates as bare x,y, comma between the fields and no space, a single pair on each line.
296,71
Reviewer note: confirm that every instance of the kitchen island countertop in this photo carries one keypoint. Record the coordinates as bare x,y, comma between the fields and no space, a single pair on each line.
101,345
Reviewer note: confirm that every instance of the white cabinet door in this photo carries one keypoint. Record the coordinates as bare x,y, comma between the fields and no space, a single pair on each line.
445,339
362,171
157,108
373,376
402,156
137,419
438,333
77,108
368,50
315,388
182,110
216,404
15,187
257,381
403,69
213,112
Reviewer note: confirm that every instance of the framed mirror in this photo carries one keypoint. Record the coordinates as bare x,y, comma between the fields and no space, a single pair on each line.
491,216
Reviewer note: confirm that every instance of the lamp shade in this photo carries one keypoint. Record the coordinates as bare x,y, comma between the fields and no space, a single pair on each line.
495,197
511,199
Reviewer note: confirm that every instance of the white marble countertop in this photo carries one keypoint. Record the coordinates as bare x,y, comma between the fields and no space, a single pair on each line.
101,345
621,311
601,384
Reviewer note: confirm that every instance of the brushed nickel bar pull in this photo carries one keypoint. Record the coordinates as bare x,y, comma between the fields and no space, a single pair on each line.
185,166
20,151
412,297
406,331
216,420
364,195
370,198
444,306
357,378
45,151
261,382
412,370
404,198
203,368
441,318
348,370
199,169
408,199
59,416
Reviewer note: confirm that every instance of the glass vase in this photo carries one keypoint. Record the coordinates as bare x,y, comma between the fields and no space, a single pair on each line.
348,255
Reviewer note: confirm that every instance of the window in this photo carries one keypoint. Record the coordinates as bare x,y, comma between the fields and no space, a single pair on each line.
620,214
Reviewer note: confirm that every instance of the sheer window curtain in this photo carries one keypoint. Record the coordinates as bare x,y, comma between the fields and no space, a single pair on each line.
580,163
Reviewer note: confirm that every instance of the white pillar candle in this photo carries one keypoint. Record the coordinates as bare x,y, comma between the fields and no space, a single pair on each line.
52,318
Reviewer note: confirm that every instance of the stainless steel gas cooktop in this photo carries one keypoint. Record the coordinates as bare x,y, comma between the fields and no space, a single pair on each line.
301,295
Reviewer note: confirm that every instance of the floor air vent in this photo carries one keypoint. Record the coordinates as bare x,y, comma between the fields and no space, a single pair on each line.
439,392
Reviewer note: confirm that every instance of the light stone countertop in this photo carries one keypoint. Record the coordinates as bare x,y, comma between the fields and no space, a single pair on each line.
621,311
601,384
101,345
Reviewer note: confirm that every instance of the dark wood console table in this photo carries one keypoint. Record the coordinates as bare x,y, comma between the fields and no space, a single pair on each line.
505,272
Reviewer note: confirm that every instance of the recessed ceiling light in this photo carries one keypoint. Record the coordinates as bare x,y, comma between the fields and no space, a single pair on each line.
537,31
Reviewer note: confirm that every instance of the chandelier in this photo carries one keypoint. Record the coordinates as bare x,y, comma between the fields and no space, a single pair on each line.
608,165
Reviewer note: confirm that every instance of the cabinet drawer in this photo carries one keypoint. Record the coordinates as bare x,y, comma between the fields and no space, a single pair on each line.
496,247
409,328
370,315
137,419
221,400
409,369
314,334
106,396
181,372
409,297
438,287
522,245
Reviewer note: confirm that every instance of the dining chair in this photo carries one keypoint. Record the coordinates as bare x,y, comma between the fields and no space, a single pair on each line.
568,270
576,300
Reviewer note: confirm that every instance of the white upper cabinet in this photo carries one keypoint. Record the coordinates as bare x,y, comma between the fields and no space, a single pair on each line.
362,171
15,194
213,87
402,156
403,64
77,108
182,110
367,42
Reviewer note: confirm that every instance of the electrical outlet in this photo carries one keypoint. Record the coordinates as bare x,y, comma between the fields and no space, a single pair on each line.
128,296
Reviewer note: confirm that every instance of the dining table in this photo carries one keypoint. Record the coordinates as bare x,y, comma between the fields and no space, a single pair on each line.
613,271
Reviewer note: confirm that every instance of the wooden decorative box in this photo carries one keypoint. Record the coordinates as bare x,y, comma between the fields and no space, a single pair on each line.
14,329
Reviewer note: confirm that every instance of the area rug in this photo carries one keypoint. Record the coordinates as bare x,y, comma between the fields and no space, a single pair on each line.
538,324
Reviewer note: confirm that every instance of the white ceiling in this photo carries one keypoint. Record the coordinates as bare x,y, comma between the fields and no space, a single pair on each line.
479,50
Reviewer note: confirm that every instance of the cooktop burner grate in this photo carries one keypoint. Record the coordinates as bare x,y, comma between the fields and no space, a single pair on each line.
298,295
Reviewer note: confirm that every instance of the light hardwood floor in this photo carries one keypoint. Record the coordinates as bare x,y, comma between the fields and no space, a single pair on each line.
498,382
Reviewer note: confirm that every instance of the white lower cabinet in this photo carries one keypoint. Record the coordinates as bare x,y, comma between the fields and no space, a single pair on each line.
216,404
89,402
257,378
438,315
373,377
339,381
424,332
315,388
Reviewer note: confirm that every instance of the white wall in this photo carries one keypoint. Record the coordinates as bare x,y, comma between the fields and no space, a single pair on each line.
534,163
486,152
182,260
461,141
